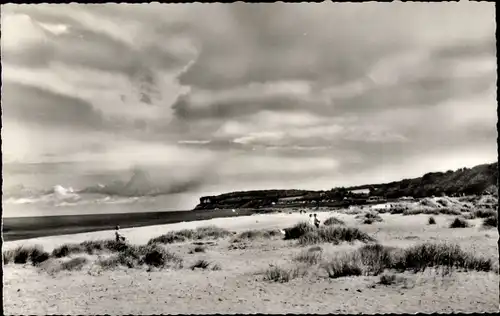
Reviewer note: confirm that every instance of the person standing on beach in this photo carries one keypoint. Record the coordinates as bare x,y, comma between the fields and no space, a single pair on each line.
316,221
118,237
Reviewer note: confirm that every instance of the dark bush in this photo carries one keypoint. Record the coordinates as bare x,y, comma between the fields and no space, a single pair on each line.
482,213
375,258
491,221
432,221
66,249
420,257
343,265
333,221
298,230
459,222
157,256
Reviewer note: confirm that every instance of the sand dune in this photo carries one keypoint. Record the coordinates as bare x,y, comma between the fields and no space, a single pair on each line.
238,287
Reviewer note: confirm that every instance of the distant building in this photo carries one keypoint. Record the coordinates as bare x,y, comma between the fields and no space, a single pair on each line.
380,206
360,191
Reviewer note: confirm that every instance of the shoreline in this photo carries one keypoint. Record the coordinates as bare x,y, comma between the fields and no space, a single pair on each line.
25,228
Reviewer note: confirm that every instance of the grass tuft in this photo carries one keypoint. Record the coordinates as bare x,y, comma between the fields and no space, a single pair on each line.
335,235
491,221
333,221
459,222
74,264
431,221
187,234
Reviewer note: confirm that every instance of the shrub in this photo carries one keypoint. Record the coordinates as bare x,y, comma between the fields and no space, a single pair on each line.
308,257
200,264
298,230
199,249
391,279
211,232
38,256
375,258
157,256
420,257
459,222
334,234
186,234
66,250
282,275
369,217
482,213
333,221
431,221
343,265
254,234
23,254
491,221
417,211
315,248
74,264
168,238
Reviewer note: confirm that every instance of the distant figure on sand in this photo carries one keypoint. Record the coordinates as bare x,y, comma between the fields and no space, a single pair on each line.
311,220
118,237
316,221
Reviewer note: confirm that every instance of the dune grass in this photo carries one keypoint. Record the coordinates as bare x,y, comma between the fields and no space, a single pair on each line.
374,259
90,247
484,213
369,217
491,222
333,221
74,264
283,275
459,222
24,254
213,232
298,230
334,234
309,257
258,234
432,211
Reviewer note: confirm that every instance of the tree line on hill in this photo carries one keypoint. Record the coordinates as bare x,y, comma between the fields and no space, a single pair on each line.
480,179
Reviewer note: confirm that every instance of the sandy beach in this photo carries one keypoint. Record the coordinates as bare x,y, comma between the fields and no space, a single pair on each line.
238,286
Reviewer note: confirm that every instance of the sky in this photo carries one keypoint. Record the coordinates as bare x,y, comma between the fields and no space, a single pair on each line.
249,96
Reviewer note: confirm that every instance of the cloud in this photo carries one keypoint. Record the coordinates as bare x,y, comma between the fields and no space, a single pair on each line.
259,95
50,108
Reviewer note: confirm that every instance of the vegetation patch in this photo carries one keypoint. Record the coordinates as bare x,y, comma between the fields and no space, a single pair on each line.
491,221
298,230
369,217
187,234
283,275
459,222
335,235
344,265
309,257
431,221
333,221
258,234
73,264
24,254
427,255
